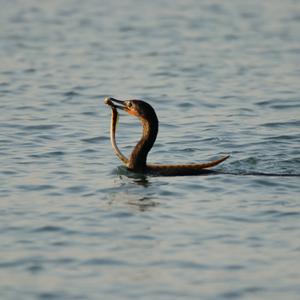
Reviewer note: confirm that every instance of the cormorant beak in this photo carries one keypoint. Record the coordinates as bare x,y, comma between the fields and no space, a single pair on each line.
111,101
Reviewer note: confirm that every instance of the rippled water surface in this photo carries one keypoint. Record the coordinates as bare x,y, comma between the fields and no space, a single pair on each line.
223,77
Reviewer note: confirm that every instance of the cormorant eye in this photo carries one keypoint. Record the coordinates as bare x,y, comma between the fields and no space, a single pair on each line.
129,104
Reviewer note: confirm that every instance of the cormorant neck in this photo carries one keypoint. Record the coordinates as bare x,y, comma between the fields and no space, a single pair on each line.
138,157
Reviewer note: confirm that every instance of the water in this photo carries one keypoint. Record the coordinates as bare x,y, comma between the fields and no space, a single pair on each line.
223,77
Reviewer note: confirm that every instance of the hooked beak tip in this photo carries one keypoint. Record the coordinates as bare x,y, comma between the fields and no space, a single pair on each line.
110,101
107,100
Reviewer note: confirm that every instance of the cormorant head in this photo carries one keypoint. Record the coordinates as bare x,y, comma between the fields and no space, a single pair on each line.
138,108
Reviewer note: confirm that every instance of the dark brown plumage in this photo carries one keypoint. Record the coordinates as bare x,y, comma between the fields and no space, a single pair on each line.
137,161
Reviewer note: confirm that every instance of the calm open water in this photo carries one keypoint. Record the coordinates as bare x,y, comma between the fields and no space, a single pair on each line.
223,77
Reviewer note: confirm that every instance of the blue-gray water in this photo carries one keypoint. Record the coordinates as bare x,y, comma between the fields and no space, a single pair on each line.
223,77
